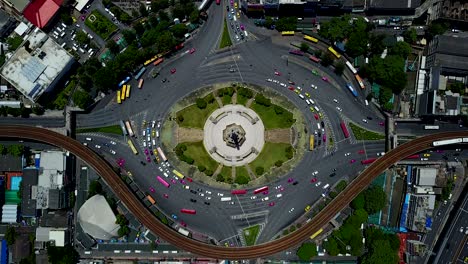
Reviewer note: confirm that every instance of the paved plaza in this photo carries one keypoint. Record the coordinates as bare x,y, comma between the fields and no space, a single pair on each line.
218,125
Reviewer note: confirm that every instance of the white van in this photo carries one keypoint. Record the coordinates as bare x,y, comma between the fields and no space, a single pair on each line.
326,186
367,103
279,195
63,45
89,139
82,50
62,35
318,125
144,144
316,109
301,96
311,101
157,134
225,199
64,26
144,132
307,101
154,142
74,48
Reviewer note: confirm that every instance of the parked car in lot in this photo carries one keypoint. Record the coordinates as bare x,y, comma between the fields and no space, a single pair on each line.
173,70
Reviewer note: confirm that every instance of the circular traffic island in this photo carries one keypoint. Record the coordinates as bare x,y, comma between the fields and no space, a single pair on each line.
235,134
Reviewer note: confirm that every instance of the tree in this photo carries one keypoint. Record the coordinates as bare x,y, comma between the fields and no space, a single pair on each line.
385,95
15,150
436,28
326,59
123,231
269,22
331,246
25,112
112,46
95,187
286,24
143,11
220,177
201,168
241,179
278,163
103,78
163,16
62,255
179,30
209,172
259,170
81,37
336,29
358,202
201,103
375,199
377,45
10,235
457,87
339,68
401,49
357,44
2,149
178,12
121,220
129,35
306,251
37,110
66,18
410,35
195,16
380,252
82,99
304,47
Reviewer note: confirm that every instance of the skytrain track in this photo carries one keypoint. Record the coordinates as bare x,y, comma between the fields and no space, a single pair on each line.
140,211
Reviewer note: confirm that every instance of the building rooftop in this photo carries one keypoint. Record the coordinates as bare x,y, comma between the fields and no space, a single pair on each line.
80,4
28,206
19,4
394,4
52,165
10,163
35,65
40,12
97,219
426,176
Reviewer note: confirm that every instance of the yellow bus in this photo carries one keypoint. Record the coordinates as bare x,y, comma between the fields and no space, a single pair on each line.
316,233
287,33
122,93
127,94
130,144
150,60
178,174
311,143
119,101
311,39
333,51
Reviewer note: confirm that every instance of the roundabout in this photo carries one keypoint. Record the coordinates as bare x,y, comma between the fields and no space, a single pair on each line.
234,135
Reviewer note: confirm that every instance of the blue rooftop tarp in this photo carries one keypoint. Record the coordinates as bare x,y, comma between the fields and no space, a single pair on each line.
404,211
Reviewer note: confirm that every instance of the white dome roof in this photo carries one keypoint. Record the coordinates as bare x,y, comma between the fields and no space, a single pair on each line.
97,219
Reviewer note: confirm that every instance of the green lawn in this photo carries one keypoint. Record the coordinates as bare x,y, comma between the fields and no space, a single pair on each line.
272,120
250,234
242,100
195,117
242,172
363,134
271,153
226,172
101,26
197,151
226,99
108,129
225,38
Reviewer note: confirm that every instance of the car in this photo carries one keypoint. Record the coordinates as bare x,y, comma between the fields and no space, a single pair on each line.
174,216
277,187
426,155
325,79
83,17
253,197
381,124
339,109
208,192
291,82
208,198
113,142
313,180
291,88
220,194
193,191
307,209
361,151
151,189
313,86
142,163
166,195
146,151
295,183
231,203
315,72
193,200
112,152
283,84
291,210
189,179
265,199
307,94
335,100
164,80
173,181
312,109
277,73
333,174
200,190
182,181
314,173
290,180
269,80
318,184
148,159
201,194
186,187
380,153
173,70
242,27
364,120
281,189
316,117
347,154
352,161
424,159
98,147
315,132
461,229
271,204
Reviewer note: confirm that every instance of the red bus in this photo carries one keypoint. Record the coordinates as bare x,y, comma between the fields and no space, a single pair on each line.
218,2
188,211
296,52
262,189
238,192
415,156
163,182
344,129
368,161
158,61
314,59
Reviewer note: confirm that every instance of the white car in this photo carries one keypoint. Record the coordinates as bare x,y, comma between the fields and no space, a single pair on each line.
208,192
186,187
318,184
220,194
315,132
307,101
277,187
339,109
335,100
380,153
282,84
112,151
313,86
98,147
364,120
291,210
299,88
269,80
424,159
265,198
461,229
347,154
231,203
201,194
113,142
253,197
208,198
159,124
314,173
160,169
